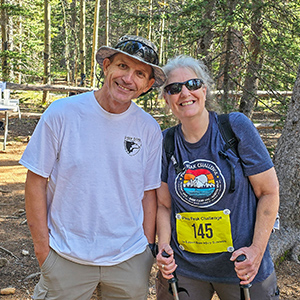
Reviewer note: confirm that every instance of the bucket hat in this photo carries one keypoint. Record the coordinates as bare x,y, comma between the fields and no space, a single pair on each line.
138,48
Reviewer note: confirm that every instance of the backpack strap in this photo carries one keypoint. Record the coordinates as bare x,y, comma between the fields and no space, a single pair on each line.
231,142
227,133
169,146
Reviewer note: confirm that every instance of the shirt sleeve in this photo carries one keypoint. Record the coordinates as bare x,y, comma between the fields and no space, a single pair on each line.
153,167
254,155
42,150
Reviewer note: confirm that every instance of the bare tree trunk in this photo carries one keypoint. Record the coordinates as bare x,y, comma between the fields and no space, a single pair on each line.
205,42
20,26
4,41
82,44
10,44
107,23
226,70
67,54
226,67
287,164
254,64
74,39
137,13
95,46
161,48
150,19
47,48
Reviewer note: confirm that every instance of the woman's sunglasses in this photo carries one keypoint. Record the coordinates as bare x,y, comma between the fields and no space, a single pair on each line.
176,87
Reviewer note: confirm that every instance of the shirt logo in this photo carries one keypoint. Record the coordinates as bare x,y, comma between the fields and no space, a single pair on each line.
201,184
132,145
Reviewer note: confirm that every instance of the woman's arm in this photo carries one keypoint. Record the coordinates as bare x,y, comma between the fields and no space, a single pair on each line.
266,189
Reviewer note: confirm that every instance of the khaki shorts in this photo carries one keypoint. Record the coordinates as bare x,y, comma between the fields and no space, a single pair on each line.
62,279
202,290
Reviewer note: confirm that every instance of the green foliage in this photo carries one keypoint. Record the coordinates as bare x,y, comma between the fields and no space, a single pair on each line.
286,256
219,32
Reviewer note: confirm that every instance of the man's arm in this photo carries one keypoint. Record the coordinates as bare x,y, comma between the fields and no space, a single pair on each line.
36,212
150,207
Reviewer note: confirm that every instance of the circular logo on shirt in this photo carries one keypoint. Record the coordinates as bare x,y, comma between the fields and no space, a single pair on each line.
201,184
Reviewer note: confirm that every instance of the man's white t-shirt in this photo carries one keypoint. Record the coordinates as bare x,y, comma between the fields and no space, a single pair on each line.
99,165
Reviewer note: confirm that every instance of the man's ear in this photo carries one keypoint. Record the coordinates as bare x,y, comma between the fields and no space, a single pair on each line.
106,63
149,85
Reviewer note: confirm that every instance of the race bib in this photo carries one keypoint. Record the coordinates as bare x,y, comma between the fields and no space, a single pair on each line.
204,232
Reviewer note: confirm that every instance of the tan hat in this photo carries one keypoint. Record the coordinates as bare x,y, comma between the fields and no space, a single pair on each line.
138,48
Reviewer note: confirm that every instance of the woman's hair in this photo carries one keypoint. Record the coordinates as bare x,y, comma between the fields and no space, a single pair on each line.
199,68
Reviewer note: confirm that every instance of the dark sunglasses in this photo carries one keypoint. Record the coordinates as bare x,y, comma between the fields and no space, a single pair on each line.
176,87
139,49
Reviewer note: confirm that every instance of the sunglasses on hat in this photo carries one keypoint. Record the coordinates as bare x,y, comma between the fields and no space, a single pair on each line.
139,49
176,87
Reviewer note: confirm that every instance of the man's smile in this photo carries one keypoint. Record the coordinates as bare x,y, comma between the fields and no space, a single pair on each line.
123,87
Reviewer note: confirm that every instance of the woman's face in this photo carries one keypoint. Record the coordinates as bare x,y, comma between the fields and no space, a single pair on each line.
187,103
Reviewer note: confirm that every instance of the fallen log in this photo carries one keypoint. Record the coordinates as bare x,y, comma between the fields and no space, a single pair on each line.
47,87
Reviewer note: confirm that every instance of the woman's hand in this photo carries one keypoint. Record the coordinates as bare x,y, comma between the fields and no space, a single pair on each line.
246,270
166,265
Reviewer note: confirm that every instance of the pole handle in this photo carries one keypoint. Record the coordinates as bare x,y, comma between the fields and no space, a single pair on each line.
241,258
174,278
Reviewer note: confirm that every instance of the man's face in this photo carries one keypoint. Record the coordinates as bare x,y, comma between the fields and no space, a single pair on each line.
125,79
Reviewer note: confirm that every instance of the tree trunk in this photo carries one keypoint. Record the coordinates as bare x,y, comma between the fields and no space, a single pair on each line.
254,64
229,61
20,27
74,43
82,44
4,41
161,48
150,19
138,15
107,23
47,48
66,32
205,42
10,44
226,79
287,164
95,46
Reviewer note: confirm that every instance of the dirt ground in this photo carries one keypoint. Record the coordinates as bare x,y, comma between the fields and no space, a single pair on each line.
18,265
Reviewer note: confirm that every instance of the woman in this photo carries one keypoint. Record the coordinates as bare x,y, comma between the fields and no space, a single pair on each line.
211,225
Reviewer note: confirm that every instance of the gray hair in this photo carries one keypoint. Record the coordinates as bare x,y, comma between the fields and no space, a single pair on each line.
198,67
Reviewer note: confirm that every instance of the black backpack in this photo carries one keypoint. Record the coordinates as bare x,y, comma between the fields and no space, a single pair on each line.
228,135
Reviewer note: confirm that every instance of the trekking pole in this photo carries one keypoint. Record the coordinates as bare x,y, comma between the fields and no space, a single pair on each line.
245,292
173,280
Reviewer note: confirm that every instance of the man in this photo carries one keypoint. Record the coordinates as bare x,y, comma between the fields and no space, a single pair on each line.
93,167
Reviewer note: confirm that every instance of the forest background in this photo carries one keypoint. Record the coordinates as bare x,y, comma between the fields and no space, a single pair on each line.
248,46
251,48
